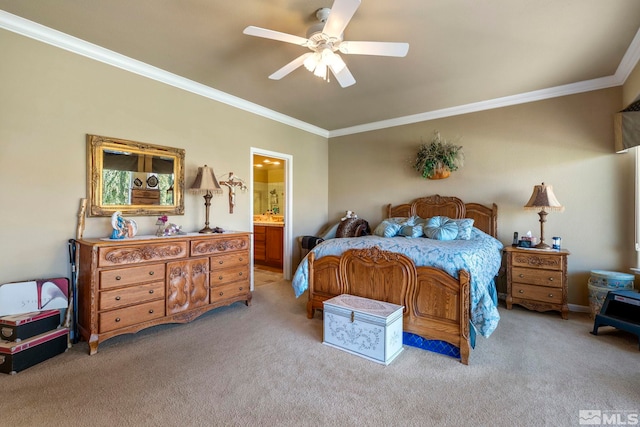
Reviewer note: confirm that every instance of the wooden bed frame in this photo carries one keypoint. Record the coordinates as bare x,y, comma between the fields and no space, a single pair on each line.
436,304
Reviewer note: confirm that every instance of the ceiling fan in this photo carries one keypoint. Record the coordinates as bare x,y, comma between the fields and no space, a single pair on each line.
324,39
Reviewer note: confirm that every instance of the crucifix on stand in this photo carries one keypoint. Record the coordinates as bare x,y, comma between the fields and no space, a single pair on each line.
232,183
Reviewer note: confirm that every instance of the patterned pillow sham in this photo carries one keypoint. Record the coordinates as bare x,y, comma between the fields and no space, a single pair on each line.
464,228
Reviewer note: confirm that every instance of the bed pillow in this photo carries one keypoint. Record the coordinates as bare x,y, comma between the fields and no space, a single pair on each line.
387,229
412,230
329,232
464,228
441,228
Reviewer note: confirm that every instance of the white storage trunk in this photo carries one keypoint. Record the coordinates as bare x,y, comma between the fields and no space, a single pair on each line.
365,327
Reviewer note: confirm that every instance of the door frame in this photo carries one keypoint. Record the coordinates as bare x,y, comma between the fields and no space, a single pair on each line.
288,204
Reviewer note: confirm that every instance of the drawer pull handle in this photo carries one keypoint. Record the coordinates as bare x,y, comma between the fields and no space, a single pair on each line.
117,319
240,288
221,293
240,274
150,291
151,311
220,262
520,291
219,277
118,298
521,275
240,259
118,277
151,273
550,295
551,279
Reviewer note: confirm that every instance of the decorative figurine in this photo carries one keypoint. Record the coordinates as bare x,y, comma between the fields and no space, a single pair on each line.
122,228
169,229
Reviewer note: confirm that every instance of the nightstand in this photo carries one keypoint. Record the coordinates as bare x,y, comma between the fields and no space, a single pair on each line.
537,279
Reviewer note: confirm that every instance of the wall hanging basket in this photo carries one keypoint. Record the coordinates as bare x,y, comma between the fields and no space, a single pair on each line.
438,158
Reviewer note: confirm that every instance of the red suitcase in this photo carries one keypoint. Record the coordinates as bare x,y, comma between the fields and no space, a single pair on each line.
17,356
19,327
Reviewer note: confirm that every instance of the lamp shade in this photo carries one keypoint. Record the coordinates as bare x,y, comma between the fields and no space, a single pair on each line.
543,198
205,182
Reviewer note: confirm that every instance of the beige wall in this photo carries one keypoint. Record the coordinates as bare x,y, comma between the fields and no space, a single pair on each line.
50,99
566,142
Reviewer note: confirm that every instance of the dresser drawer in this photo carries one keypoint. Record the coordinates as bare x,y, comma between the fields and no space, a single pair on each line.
132,275
238,259
123,317
130,295
222,277
537,293
532,276
223,292
134,254
536,260
220,245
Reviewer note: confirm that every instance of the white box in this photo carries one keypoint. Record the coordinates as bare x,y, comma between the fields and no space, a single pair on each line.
364,327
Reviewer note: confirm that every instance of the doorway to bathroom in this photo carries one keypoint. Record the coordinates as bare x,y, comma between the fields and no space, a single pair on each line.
271,218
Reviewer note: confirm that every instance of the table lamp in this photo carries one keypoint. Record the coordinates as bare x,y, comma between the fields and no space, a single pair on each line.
543,199
207,184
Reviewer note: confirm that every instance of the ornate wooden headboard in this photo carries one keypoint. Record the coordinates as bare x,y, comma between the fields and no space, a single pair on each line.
485,217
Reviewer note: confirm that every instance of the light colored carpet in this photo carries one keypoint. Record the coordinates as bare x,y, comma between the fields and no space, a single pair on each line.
266,365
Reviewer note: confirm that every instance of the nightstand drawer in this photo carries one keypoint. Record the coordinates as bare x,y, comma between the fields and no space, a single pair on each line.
537,260
536,277
537,293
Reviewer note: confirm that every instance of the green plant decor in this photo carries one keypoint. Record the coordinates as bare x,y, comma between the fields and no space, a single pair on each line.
436,155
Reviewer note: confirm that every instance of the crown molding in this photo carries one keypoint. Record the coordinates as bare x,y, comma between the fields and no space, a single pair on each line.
629,60
73,44
67,42
522,98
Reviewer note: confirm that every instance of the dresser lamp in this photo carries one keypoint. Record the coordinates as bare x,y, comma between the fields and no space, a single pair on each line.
206,184
544,200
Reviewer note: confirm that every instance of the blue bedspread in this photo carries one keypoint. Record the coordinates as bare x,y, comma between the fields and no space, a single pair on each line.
480,256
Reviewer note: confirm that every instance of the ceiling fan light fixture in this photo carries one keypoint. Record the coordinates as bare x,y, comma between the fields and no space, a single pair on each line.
324,39
312,61
321,70
334,61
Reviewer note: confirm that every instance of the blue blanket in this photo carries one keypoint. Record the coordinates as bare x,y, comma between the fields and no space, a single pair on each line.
480,256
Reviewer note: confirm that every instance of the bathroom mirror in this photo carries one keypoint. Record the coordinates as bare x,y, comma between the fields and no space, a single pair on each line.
134,178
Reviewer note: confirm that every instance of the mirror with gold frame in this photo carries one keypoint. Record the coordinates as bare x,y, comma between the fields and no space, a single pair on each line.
134,178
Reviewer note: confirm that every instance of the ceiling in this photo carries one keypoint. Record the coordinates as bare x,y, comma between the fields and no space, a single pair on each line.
464,55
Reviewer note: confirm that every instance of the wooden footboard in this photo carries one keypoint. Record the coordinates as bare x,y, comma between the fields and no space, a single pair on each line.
436,305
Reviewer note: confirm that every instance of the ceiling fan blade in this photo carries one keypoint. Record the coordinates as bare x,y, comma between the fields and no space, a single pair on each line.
290,66
374,48
344,76
275,35
341,13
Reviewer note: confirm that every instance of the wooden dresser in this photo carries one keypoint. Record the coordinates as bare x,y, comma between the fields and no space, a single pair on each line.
537,279
127,285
